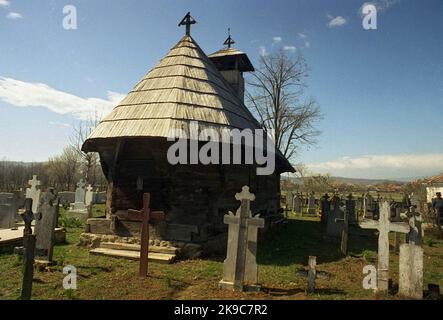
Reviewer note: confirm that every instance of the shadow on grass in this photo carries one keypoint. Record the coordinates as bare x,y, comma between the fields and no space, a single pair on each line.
289,292
299,239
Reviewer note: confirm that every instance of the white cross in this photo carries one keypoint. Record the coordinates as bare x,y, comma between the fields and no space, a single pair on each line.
34,183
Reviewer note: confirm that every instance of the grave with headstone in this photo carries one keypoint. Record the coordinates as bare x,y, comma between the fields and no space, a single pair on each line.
100,197
289,199
325,206
7,211
312,210
66,197
384,226
79,209
90,196
350,209
334,227
298,203
46,222
411,259
33,192
240,271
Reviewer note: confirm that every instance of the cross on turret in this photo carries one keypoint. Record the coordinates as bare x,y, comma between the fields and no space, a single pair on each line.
229,42
187,21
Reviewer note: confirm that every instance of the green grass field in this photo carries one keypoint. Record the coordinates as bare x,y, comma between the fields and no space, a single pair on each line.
280,256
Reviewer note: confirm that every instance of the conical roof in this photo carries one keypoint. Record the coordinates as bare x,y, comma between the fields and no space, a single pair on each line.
185,86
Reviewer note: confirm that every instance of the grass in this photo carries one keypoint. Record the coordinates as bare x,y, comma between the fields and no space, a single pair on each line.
281,255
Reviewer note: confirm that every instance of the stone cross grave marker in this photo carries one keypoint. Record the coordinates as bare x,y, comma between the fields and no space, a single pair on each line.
298,203
325,208
46,222
334,227
350,208
411,259
33,192
311,204
384,226
89,196
289,201
240,271
145,215
344,233
80,196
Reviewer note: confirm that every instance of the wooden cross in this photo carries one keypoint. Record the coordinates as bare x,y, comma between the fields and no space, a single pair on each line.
187,21
229,42
144,215
384,226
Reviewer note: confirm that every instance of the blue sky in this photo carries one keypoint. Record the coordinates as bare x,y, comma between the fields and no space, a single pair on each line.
381,91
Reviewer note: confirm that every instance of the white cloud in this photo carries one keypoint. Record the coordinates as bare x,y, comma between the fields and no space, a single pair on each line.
25,94
60,125
14,15
381,5
4,3
277,40
379,166
336,22
302,35
290,48
307,44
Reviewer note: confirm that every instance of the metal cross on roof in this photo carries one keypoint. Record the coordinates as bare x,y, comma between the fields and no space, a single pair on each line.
187,21
229,42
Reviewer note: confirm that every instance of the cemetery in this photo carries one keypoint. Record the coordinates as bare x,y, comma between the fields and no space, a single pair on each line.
128,224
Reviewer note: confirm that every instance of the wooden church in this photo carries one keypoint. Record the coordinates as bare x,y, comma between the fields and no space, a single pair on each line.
186,86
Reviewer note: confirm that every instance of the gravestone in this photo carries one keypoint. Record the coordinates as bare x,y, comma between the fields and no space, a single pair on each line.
411,259
411,271
7,211
66,197
80,194
334,227
29,247
325,206
384,226
344,234
79,209
46,222
311,204
298,203
100,197
89,196
289,203
240,271
34,192
350,208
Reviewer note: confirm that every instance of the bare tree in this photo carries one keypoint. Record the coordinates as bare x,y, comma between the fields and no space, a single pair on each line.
90,166
275,95
63,170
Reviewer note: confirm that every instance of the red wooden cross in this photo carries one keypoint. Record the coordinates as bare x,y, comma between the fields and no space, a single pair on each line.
144,215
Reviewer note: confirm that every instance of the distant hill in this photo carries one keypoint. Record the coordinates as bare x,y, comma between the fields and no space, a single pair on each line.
358,181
